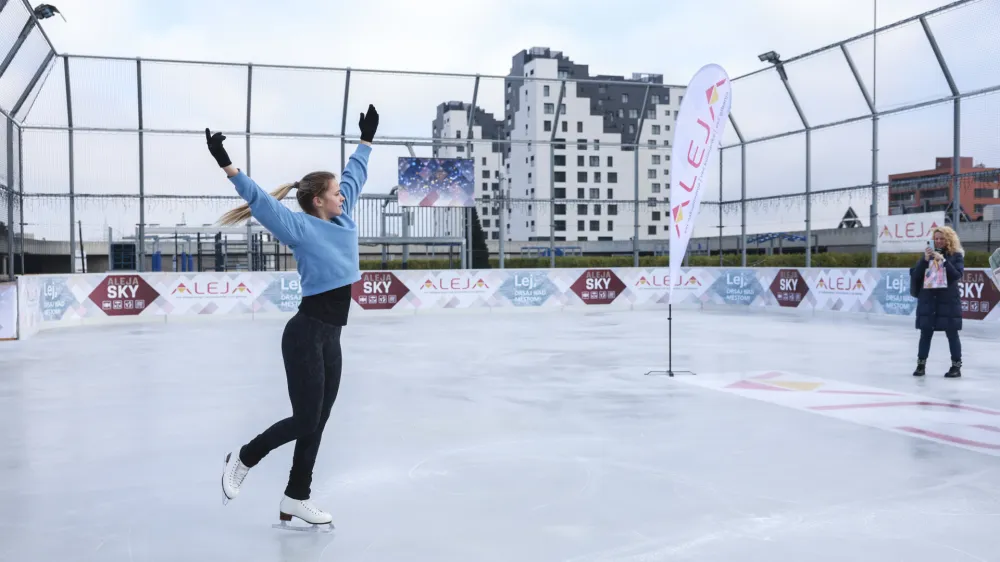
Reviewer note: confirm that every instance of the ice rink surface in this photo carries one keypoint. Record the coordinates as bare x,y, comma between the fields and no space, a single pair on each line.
511,437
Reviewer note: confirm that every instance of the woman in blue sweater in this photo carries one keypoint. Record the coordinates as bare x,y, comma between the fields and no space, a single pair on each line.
324,241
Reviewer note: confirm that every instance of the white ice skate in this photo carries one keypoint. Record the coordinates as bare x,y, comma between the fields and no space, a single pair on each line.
232,477
305,510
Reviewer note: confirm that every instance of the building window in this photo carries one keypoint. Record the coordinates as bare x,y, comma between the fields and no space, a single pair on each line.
581,209
656,215
486,223
565,127
579,225
579,193
545,91
581,144
651,174
595,226
655,99
602,89
485,186
560,209
560,193
651,230
651,143
656,159
559,176
484,160
560,160
595,193
621,113
579,160
655,187
581,177
633,114
611,224
611,161
595,161
547,126
624,98
631,129
486,174
560,226
494,235
579,126
496,186
597,210
550,108
612,177
611,193
650,114
597,177
612,210
656,129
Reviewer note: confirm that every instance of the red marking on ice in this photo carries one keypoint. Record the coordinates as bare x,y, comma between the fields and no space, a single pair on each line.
750,385
949,438
988,428
864,392
892,404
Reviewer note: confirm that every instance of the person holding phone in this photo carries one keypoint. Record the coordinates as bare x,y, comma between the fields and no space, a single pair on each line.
939,309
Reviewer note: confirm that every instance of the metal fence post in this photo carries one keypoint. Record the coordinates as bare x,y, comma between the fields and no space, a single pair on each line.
552,176
469,214
721,195
869,100
743,189
956,203
141,238
72,169
780,67
20,183
638,136
10,199
249,110
343,121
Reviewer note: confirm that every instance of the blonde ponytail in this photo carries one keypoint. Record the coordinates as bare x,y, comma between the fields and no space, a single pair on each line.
242,213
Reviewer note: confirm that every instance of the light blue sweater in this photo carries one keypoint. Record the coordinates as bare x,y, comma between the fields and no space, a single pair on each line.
326,251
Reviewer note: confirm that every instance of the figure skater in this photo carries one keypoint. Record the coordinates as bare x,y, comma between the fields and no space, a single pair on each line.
324,241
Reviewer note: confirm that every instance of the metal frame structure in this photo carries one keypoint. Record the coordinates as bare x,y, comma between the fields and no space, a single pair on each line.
16,115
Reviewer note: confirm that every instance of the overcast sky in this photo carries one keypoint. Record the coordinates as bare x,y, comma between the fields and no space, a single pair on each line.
657,36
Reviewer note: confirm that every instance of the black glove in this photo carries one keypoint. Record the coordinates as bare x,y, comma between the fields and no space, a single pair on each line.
216,148
368,124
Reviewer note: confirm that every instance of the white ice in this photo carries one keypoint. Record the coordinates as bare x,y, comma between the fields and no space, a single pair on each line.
494,437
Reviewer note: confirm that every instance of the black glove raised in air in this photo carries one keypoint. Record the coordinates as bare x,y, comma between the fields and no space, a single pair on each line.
368,124
216,148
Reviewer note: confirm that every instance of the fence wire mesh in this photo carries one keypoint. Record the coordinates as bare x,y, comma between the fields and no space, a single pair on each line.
113,147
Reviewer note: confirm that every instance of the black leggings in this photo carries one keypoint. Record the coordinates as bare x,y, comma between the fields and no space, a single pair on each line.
311,351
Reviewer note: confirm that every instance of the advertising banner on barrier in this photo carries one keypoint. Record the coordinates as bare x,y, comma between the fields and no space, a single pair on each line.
902,234
979,294
8,311
50,300
698,129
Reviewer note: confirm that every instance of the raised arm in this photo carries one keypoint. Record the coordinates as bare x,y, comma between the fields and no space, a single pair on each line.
286,225
356,171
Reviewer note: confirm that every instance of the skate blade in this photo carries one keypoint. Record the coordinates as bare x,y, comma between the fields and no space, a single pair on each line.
319,528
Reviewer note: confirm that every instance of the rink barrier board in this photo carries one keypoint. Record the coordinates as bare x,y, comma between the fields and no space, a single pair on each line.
8,311
49,301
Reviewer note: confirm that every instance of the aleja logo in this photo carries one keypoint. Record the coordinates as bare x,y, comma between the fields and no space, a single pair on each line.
847,284
455,284
211,289
693,157
659,281
912,230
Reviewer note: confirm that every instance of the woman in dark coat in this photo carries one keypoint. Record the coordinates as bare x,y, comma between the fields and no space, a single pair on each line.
940,310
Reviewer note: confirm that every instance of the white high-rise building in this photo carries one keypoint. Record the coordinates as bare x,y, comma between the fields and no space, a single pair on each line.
594,180
452,122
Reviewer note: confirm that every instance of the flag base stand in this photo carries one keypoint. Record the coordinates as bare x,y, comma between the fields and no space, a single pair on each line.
670,348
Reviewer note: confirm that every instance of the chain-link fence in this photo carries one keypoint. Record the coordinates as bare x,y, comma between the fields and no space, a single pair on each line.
115,162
